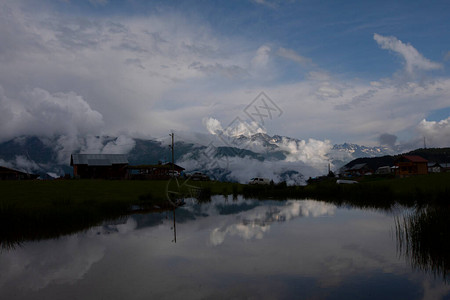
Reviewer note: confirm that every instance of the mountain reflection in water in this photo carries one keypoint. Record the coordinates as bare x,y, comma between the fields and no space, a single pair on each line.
238,249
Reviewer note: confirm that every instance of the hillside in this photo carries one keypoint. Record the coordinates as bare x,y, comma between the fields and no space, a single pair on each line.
438,155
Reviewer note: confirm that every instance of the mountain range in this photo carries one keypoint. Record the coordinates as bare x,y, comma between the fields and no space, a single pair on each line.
234,158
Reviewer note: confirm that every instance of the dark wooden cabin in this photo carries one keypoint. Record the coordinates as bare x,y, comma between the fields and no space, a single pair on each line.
10,174
99,166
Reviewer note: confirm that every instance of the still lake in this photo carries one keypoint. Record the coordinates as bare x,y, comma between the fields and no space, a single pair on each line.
229,249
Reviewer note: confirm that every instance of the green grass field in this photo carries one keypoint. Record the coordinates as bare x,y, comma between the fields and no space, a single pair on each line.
35,193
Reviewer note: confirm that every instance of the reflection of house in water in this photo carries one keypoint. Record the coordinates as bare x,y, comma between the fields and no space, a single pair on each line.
158,171
105,166
10,174
411,165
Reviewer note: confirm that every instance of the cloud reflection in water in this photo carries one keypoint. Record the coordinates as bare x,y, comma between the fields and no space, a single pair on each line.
253,224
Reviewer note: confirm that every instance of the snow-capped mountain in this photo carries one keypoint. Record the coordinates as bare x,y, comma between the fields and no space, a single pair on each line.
363,151
234,158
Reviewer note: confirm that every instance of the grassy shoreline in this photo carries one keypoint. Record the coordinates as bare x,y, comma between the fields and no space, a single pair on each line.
33,210
432,189
42,195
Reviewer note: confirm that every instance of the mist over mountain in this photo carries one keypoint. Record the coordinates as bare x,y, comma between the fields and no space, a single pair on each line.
234,158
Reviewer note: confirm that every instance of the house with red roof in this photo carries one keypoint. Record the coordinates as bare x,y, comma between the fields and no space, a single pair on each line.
407,165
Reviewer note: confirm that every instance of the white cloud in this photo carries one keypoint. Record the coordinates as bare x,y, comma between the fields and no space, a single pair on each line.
121,145
414,60
292,55
213,125
437,134
236,128
262,56
232,72
328,91
312,152
38,112
319,76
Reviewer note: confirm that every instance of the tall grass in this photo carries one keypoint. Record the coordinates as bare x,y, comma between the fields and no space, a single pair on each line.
423,238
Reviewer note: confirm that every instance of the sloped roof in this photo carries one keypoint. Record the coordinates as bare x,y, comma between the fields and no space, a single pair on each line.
358,166
175,166
98,159
8,170
415,158
158,166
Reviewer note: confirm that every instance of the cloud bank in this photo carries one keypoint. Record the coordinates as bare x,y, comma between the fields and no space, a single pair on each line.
38,112
75,75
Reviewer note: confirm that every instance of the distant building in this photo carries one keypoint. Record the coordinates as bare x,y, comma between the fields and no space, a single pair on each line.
438,167
384,170
158,171
411,165
10,174
99,166
358,170
434,167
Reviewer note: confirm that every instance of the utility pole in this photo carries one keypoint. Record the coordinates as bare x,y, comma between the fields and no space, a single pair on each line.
424,143
173,162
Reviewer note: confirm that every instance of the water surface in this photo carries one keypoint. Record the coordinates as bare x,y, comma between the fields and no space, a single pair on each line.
242,249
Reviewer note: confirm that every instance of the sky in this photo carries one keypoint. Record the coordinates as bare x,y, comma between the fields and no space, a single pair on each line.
367,72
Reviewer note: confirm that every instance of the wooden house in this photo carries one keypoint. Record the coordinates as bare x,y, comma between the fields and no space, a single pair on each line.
358,170
10,174
411,165
99,166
